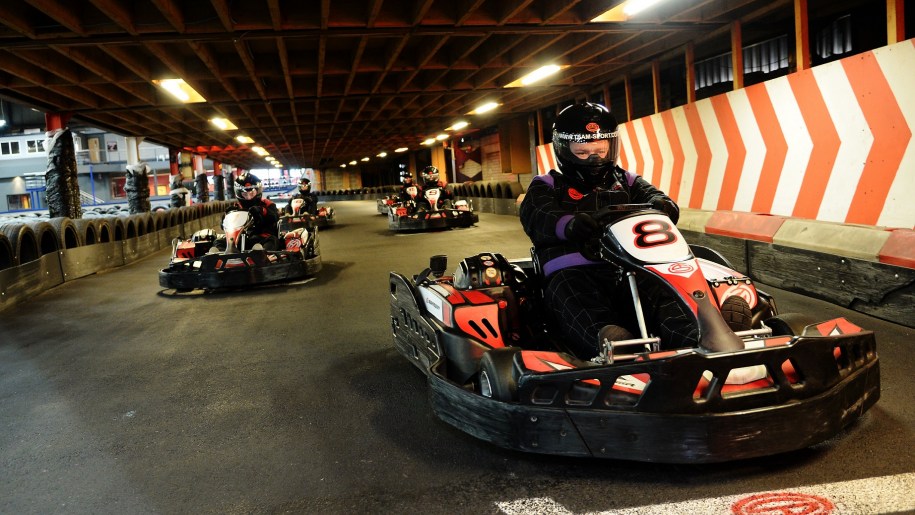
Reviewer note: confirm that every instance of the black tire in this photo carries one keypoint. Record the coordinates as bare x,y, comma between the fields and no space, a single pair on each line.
737,313
789,324
496,379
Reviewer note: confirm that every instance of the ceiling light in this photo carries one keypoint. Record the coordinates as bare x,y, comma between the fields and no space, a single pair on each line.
625,10
243,139
489,106
401,149
634,7
260,151
353,162
365,158
442,137
428,141
458,126
2,123
534,76
383,154
223,124
343,165
180,90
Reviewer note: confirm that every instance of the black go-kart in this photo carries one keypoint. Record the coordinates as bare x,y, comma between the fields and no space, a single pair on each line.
430,212
198,262
760,382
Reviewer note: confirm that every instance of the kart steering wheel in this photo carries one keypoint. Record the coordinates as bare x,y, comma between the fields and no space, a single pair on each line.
604,216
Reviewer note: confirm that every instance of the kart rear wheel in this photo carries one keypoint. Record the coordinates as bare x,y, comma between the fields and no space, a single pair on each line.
495,378
789,324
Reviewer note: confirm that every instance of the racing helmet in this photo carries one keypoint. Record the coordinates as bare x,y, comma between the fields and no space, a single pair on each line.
429,174
244,185
304,185
408,180
585,123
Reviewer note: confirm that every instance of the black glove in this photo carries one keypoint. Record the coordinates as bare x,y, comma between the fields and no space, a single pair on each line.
668,207
256,214
582,228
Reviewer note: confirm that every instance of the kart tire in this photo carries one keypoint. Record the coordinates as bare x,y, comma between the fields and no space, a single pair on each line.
789,324
496,379
737,313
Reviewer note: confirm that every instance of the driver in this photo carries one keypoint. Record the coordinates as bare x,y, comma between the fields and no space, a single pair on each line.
248,189
310,200
431,181
585,295
403,196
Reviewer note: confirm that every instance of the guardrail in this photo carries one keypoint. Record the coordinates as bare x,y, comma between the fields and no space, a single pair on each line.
39,254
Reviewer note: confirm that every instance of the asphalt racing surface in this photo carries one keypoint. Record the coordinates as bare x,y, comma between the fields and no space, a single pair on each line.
119,397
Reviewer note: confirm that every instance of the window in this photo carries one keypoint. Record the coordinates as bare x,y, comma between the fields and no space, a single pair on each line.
9,147
834,39
34,146
17,202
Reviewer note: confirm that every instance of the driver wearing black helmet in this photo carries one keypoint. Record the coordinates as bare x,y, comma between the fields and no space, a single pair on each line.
431,180
248,197
309,199
584,294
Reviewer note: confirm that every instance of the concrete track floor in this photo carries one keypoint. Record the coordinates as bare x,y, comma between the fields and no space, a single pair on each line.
118,397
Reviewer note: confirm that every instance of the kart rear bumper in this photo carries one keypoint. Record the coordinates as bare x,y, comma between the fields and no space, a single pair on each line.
705,437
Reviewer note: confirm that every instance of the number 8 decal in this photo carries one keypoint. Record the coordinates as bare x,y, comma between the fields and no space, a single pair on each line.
653,233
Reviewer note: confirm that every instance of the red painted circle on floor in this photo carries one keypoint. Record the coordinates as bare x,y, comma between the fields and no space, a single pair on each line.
782,503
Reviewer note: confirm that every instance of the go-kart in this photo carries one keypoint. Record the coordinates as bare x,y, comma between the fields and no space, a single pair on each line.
198,262
760,382
324,217
430,212
384,204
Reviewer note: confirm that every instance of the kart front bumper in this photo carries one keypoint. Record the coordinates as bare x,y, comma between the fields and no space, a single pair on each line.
709,432
435,220
214,271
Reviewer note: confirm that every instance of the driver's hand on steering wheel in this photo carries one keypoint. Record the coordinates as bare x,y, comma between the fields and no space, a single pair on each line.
582,228
667,207
256,214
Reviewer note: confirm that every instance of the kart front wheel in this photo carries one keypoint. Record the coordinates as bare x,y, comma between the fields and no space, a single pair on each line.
496,379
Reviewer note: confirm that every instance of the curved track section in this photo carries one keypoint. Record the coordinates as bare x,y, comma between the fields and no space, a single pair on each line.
119,396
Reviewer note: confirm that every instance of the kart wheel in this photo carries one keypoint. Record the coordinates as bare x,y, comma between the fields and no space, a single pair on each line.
737,313
496,380
789,324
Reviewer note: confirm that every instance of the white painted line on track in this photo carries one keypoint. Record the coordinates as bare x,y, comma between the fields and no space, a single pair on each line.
886,494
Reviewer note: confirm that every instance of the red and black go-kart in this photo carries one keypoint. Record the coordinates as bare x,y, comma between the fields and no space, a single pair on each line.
197,263
430,212
324,217
497,370
384,204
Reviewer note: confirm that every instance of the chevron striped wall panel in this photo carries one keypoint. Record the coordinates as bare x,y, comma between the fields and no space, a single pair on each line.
833,143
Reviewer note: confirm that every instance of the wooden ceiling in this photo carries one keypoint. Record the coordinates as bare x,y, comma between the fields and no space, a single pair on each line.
321,82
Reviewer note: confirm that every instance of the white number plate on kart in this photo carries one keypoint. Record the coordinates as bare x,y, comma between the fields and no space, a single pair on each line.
651,238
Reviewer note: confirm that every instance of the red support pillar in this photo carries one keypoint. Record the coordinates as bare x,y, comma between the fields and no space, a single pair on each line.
55,121
173,161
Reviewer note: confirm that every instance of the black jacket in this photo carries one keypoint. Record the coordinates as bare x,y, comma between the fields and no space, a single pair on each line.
551,202
265,213
310,206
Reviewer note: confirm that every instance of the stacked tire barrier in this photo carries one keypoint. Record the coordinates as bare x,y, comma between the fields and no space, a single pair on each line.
37,255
